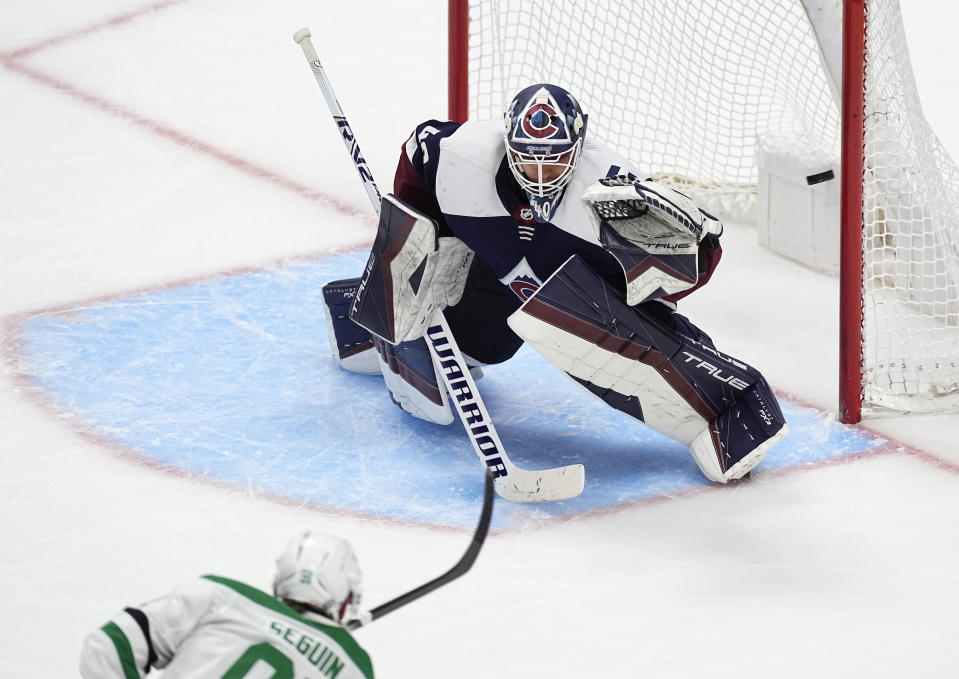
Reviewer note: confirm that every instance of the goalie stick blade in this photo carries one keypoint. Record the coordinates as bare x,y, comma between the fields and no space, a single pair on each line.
546,485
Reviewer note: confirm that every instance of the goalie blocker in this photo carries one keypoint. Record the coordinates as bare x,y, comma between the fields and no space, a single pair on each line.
411,271
655,366
376,323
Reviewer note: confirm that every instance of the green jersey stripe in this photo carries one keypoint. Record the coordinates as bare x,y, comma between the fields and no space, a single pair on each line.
124,650
338,634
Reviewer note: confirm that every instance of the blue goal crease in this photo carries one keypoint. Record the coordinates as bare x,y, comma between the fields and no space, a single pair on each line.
234,379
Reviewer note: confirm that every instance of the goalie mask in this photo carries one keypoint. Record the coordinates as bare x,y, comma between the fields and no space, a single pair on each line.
319,573
545,127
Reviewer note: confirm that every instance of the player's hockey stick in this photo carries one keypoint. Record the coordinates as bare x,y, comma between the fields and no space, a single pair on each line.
460,568
511,482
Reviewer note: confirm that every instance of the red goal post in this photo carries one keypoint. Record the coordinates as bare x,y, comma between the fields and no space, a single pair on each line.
753,74
851,231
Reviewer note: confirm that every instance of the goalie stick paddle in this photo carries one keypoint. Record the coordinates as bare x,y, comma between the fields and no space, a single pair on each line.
511,482
460,568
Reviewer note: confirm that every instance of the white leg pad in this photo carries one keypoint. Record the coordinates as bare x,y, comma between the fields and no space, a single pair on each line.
704,452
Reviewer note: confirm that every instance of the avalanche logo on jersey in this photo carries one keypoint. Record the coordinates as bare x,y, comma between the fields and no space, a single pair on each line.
521,280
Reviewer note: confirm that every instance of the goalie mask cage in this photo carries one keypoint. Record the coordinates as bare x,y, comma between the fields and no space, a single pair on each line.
685,90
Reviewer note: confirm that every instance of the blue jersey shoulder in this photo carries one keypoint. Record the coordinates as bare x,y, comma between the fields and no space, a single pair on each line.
423,148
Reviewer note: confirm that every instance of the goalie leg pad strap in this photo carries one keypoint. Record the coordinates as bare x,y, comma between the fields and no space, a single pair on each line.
352,345
647,368
412,380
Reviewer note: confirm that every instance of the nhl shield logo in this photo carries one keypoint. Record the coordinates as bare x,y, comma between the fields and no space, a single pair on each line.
526,214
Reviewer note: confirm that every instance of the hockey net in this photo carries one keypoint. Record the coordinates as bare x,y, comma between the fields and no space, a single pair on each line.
910,226
687,90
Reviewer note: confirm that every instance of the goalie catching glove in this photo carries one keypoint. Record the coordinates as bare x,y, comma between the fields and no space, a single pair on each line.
410,273
653,231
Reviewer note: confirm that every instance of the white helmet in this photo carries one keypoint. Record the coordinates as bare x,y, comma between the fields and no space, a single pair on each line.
321,573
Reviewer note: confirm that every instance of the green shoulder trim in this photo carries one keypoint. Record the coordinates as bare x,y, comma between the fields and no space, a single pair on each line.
124,650
338,634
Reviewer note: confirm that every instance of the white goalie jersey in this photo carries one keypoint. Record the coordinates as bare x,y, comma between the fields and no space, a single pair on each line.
215,627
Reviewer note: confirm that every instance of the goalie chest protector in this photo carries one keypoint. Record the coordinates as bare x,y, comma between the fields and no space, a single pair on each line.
465,167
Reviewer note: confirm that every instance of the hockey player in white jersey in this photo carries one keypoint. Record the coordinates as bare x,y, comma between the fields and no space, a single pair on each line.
216,627
539,233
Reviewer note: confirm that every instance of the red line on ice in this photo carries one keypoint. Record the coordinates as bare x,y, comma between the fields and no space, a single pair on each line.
11,61
77,33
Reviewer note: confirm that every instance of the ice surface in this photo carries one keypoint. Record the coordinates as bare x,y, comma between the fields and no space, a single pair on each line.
173,195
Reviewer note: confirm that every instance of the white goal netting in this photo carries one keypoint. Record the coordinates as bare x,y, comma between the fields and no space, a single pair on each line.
685,90
910,230
682,89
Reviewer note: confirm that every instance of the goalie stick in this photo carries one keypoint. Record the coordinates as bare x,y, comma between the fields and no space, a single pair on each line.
460,568
511,482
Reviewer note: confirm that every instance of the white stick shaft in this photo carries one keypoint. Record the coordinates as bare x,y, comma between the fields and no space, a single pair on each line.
302,38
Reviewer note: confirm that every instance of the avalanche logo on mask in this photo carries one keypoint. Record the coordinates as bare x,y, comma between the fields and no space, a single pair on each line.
538,121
